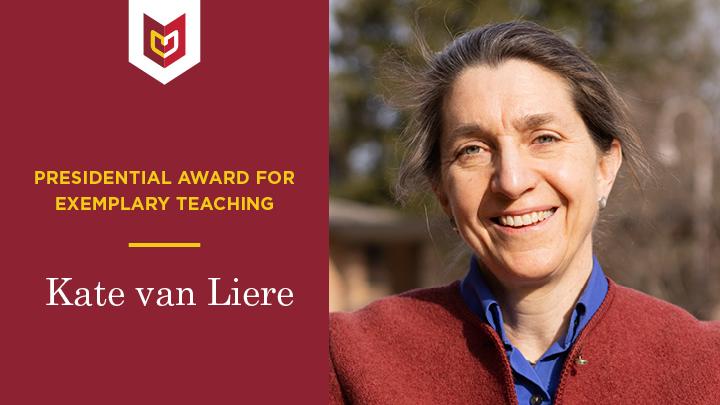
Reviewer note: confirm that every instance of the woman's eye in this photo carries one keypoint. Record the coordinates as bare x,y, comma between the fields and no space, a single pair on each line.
470,150
545,139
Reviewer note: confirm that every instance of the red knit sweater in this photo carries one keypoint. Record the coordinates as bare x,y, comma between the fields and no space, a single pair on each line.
426,347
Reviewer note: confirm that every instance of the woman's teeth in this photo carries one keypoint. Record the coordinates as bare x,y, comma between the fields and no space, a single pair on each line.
531,218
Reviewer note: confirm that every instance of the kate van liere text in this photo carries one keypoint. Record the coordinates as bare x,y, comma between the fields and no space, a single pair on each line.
62,292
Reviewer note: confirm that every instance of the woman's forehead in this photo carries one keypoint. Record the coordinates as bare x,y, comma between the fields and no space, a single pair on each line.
515,94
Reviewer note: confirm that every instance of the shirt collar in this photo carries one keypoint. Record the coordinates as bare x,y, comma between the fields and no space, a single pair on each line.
482,302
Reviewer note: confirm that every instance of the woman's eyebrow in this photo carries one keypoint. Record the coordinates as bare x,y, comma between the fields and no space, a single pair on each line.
533,121
524,123
467,129
463,131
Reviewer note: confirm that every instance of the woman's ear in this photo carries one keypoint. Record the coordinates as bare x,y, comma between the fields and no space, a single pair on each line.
608,168
441,196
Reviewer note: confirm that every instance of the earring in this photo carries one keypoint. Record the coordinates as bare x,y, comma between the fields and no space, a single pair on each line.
602,202
453,225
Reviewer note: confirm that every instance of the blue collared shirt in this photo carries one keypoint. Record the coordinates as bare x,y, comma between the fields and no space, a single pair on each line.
539,380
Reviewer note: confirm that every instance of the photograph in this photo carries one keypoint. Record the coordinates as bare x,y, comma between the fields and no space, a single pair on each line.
523,207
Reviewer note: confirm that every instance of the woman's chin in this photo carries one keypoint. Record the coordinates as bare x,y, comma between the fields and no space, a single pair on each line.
524,270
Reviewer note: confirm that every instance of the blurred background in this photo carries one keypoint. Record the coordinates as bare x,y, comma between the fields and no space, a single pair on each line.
662,55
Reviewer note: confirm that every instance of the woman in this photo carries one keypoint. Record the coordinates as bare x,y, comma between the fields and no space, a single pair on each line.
521,137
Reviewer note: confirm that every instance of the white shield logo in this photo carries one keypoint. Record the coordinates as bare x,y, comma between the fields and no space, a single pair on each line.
164,37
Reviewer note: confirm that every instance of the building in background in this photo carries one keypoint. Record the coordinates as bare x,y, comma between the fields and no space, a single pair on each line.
377,251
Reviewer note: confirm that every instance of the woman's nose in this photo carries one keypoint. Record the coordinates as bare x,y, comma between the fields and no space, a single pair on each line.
514,174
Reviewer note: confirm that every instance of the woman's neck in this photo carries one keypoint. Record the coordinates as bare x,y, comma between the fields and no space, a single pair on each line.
536,318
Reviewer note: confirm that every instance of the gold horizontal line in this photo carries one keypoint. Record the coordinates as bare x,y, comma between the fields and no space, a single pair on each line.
164,244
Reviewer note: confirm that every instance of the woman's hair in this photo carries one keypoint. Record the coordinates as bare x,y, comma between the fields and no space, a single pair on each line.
595,99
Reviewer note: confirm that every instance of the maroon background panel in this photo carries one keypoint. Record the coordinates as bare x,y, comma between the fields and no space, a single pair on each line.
71,100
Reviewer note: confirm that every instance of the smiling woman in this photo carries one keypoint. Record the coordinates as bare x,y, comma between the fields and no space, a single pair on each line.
529,156
521,137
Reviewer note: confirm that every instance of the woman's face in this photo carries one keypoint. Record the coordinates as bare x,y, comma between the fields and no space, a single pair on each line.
520,173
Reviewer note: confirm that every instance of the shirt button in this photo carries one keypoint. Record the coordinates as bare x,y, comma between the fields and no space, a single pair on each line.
536,400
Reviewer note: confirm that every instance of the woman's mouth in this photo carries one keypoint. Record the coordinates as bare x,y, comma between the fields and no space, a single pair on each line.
527,219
